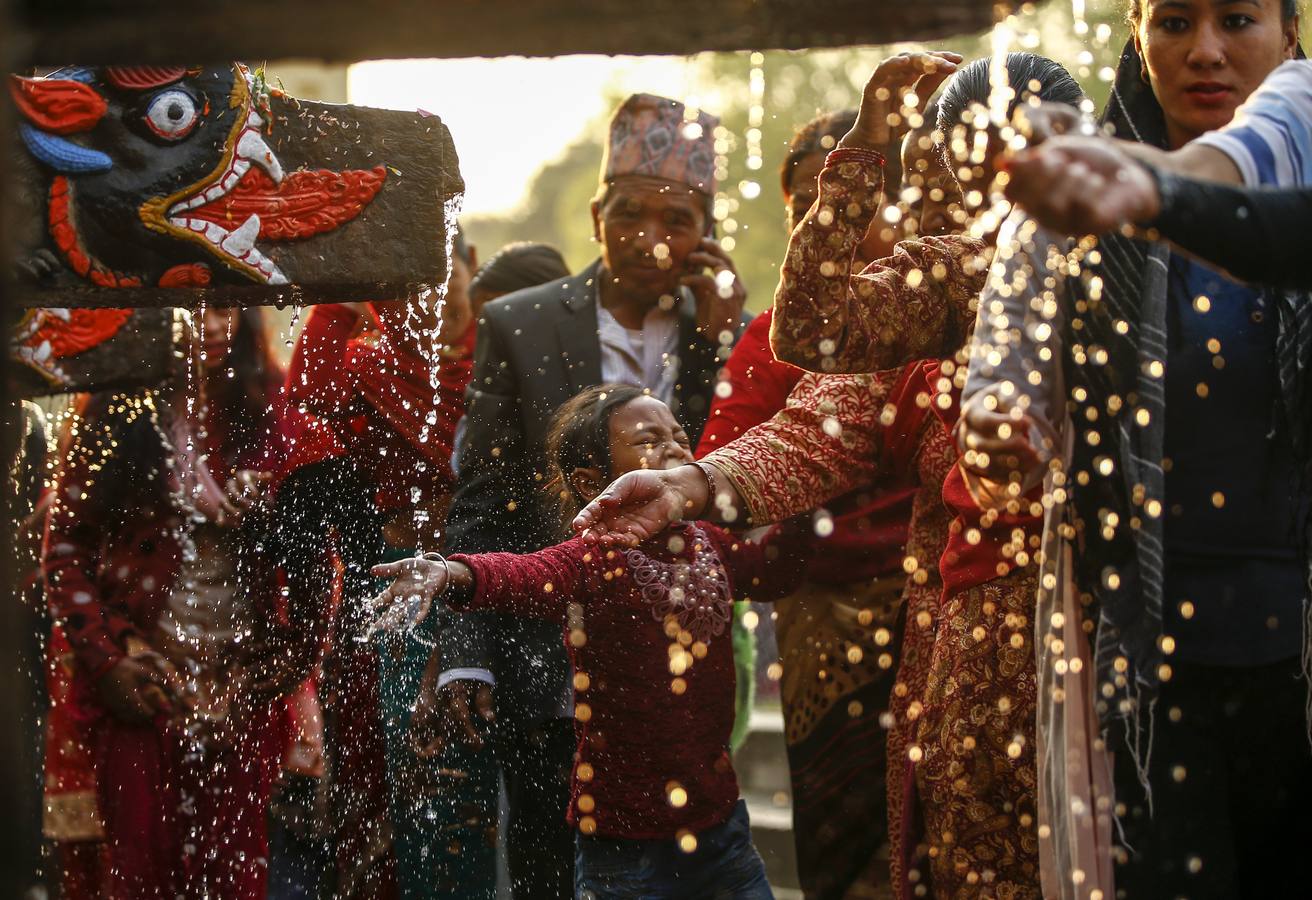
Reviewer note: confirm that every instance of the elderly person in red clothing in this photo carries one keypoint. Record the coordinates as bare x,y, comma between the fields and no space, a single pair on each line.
158,564
388,380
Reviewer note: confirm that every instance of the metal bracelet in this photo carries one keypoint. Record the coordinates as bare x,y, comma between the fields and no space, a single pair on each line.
710,488
434,556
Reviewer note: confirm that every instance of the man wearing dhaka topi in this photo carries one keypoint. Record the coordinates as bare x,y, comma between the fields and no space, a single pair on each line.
659,310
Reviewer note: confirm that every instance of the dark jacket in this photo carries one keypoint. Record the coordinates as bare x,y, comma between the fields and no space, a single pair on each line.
536,348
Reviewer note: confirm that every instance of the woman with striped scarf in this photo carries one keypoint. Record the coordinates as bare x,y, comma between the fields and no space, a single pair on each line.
1186,538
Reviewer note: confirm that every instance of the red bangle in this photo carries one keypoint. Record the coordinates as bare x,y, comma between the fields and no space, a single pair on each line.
857,155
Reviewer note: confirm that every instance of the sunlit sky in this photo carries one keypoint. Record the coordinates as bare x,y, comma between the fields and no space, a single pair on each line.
510,116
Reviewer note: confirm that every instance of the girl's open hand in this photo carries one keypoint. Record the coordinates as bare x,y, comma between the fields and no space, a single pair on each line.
407,600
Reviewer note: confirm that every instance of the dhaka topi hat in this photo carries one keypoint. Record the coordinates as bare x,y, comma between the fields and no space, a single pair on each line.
655,136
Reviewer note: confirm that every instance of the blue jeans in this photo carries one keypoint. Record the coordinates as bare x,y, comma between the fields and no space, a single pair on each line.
725,866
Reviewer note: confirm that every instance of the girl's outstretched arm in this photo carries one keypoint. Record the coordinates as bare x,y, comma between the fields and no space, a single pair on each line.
536,585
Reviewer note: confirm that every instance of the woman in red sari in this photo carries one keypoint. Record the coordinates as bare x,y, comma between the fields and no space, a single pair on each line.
386,386
159,562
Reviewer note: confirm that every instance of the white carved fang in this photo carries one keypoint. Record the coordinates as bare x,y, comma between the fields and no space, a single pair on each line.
277,278
215,233
253,147
43,352
242,241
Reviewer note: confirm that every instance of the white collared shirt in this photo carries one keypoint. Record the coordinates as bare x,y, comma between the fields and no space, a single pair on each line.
645,358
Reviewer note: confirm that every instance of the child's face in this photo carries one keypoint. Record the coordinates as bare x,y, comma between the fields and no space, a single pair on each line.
645,435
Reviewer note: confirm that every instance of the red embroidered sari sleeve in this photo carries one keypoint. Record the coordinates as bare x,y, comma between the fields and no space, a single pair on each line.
826,441
918,303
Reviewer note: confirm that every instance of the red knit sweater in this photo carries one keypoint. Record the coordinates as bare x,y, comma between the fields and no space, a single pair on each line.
653,671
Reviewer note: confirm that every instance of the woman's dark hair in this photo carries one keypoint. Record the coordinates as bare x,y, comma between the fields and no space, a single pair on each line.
579,438
1024,70
1134,11
819,135
518,266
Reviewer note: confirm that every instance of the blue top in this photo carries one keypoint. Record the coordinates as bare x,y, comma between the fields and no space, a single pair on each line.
1233,517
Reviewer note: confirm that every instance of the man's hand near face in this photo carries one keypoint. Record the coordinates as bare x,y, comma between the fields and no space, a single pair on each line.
720,294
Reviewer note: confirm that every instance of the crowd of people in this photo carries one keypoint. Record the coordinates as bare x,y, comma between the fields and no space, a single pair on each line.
1018,454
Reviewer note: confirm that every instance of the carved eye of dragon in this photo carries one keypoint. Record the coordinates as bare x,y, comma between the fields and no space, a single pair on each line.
172,114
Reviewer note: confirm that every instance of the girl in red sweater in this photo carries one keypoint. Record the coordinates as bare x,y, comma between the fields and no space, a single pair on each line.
654,795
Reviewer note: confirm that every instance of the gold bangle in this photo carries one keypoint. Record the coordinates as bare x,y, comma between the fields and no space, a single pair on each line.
711,492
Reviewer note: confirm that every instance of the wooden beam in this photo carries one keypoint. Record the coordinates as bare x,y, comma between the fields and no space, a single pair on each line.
93,31
143,349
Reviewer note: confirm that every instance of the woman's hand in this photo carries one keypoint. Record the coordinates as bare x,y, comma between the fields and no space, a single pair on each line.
995,444
642,504
899,87
1082,185
246,491
277,662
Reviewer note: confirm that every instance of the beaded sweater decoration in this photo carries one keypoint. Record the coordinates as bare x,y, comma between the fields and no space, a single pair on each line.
693,591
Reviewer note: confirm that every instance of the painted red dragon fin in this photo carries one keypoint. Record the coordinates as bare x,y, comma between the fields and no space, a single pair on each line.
56,105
